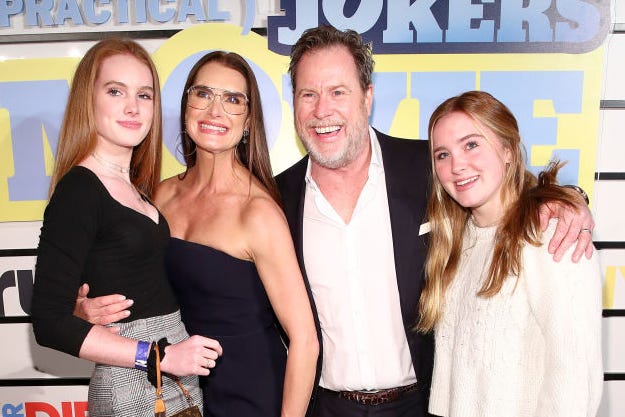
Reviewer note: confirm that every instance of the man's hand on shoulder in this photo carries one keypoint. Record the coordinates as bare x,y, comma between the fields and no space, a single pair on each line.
575,225
101,310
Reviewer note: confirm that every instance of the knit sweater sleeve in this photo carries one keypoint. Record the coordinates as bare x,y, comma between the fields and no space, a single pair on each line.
68,231
565,298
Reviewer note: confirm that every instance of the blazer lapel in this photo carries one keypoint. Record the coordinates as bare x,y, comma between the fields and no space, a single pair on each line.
406,190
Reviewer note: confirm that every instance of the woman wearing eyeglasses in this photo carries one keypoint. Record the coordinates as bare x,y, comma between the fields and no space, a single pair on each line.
231,260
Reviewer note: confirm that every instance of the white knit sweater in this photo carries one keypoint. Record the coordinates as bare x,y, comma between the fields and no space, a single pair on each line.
533,350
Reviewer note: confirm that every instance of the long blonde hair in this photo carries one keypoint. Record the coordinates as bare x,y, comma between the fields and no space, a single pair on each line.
521,193
78,136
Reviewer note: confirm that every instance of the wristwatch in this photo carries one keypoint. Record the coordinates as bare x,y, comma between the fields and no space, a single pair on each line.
579,190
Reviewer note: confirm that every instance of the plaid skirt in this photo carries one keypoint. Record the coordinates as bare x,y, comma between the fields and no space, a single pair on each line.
121,392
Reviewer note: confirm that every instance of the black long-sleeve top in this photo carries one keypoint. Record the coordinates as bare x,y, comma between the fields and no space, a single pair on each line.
88,236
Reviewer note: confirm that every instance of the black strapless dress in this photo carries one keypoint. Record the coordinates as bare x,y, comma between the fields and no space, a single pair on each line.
223,298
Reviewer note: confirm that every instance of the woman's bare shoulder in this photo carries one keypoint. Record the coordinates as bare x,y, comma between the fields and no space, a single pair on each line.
167,190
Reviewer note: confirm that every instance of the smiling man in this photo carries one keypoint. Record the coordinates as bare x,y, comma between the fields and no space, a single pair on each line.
355,205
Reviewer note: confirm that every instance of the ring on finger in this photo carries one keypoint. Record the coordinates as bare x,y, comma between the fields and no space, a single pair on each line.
585,230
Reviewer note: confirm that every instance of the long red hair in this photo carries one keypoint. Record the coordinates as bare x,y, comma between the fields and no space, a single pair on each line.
78,136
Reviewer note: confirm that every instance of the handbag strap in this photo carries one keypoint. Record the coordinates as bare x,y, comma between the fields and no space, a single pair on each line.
185,392
159,403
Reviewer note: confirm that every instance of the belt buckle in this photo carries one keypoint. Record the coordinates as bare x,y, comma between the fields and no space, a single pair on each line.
371,397
371,391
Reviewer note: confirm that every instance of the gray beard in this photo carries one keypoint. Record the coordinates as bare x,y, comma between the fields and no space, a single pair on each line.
344,158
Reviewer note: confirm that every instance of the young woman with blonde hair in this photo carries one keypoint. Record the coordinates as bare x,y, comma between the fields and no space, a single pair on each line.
517,334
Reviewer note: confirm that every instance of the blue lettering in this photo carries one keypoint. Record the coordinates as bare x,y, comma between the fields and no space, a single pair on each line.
215,13
389,91
191,8
514,14
121,8
270,100
140,11
34,107
250,12
461,14
10,410
431,88
361,21
300,15
584,23
9,8
287,90
41,9
563,88
451,26
92,16
68,10
419,13
155,11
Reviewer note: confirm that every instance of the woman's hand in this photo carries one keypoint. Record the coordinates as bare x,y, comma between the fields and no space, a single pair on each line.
193,356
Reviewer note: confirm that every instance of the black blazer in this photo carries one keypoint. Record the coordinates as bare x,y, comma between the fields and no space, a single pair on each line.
407,172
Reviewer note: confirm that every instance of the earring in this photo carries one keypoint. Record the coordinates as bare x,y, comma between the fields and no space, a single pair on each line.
246,134
192,152
179,150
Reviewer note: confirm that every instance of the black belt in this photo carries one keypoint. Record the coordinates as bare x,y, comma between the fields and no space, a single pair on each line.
374,397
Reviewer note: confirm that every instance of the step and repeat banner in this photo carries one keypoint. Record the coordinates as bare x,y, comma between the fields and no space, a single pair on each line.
544,59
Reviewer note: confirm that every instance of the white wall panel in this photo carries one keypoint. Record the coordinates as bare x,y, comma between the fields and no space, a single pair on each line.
613,269
24,358
19,235
619,11
611,144
613,342
612,403
608,205
614,68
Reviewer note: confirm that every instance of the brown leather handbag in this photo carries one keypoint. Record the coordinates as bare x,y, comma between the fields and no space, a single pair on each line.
159,405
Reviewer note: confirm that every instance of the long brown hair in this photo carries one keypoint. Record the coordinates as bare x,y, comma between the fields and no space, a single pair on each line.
78,136
521,193
252,153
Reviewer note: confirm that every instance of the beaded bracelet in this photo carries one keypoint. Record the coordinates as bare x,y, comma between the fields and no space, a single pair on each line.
141,356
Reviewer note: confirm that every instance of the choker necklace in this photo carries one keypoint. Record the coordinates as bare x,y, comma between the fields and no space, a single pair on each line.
110,165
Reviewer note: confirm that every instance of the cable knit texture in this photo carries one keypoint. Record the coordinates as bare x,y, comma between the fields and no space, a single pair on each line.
534,349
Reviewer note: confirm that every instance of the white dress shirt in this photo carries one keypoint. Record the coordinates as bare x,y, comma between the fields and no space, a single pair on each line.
351,269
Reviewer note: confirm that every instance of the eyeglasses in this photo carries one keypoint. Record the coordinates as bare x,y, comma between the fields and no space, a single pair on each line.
201,96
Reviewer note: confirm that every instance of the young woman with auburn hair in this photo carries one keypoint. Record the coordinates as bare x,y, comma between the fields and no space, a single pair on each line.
101,229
